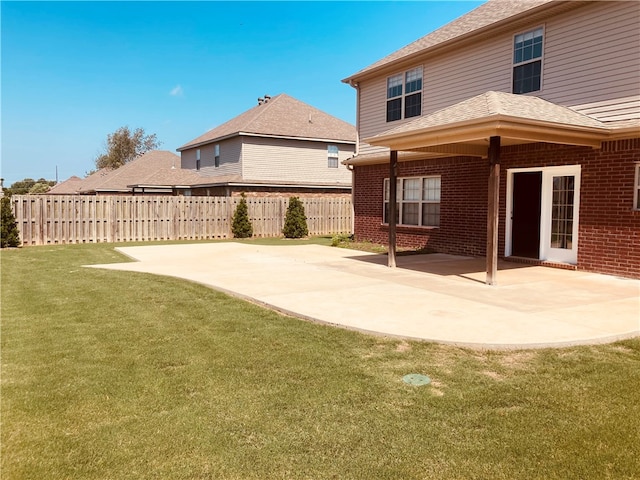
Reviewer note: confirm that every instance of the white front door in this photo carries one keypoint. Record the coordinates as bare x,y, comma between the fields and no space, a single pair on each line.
558,200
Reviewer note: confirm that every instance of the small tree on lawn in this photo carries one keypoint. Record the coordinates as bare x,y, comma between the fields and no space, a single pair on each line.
9,234
241,225
295,222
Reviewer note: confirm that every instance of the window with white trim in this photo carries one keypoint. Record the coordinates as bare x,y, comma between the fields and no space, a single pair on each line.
198,159
216,155
636,189
418,200
332,155
527,61
404,95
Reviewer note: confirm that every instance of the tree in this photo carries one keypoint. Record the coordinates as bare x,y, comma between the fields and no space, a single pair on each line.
39,188
9,233
241,225
23,187
295,222
123,146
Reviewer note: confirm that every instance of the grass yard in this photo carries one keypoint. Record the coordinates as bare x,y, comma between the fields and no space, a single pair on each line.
118,375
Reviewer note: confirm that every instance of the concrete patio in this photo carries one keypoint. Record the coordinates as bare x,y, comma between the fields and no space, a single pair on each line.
436,297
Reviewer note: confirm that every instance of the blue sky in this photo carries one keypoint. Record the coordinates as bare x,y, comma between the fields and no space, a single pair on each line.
73,72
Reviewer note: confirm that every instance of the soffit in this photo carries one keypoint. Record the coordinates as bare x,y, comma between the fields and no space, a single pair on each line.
465,128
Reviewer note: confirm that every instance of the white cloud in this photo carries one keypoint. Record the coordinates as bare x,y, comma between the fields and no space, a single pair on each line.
176,91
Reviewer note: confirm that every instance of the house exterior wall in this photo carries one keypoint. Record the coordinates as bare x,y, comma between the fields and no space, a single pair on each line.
258,191
230,158
591,63
609,227
295,161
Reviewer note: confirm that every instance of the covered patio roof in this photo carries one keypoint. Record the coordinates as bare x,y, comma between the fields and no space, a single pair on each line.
480,126
465,128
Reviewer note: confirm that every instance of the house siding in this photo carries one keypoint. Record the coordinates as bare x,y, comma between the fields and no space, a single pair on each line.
591,63
592,55
609,228
230,158
295,161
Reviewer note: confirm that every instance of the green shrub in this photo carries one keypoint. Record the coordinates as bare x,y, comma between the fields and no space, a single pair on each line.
295,222
241,226
9,234
341,239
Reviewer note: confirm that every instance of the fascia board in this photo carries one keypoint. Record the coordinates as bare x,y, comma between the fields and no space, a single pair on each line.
497,125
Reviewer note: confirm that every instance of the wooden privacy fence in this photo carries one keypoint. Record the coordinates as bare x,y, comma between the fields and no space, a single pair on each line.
51,219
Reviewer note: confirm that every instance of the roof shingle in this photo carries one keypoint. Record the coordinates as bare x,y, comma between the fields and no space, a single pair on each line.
487,14
282,116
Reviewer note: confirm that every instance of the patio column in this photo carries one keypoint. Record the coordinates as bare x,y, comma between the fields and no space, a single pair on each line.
492,210
393,207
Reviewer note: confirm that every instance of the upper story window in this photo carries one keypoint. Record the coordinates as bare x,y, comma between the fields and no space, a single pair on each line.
332,155
527,61
404,95
198,159
418,201
216,155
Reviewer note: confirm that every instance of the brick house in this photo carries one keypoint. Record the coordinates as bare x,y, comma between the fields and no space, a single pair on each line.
282,146
513,131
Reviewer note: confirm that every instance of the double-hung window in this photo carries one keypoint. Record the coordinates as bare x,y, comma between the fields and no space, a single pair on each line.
418,200
198,159
332,155
527,61
404,95
216,155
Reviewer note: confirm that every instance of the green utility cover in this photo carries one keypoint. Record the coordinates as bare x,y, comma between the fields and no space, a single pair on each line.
416,379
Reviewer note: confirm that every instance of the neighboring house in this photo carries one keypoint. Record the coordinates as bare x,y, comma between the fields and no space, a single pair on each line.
156,172
68,187
281,146
512,131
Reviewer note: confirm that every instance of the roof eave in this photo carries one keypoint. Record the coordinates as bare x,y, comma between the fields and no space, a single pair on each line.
189,146
510,22
470,133
267,135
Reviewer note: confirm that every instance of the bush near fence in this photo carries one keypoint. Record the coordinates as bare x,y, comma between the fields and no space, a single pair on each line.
60,219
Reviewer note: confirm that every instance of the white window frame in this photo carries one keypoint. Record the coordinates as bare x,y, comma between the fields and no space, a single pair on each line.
422,201
333,153
402,80
521,63
636,189
547,252
216,155
198,159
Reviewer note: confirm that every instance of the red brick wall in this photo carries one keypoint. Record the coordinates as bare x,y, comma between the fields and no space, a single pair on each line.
609,229
463,207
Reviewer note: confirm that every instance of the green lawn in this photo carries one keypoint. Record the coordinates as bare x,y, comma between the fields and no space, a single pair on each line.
118,375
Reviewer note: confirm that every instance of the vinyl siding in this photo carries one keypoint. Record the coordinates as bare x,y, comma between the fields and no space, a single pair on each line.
230,155
592,55
295,161
591,62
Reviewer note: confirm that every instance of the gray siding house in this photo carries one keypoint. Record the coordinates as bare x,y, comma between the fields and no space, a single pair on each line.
281,146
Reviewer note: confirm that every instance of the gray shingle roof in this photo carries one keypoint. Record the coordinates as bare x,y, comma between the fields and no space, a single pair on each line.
68,187
282,116
157,167
487,14
493,104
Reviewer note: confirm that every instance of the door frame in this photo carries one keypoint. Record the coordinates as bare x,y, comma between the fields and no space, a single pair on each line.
546,252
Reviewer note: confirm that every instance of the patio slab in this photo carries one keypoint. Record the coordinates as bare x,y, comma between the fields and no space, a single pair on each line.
436,297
